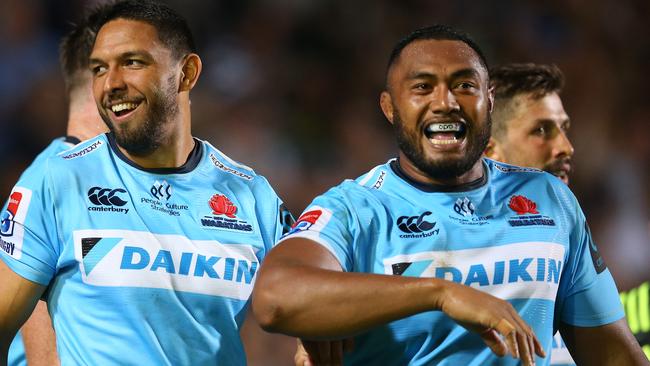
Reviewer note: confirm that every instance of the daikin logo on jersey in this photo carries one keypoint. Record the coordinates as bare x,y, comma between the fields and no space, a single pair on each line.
520,270
11,235
126,258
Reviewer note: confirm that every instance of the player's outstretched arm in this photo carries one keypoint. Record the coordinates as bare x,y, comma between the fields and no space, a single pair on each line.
302,291
18,297
611,344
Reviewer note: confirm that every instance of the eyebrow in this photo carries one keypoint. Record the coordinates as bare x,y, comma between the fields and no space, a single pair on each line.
468,72
125,55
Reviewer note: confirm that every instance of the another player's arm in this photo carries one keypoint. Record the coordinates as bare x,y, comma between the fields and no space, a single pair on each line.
39,338
18,297
302,291
611,344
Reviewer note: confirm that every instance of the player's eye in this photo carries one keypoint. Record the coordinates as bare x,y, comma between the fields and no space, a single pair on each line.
97,69
133,63
422,87
465,85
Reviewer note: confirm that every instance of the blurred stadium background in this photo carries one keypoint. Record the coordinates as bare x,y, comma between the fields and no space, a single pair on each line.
290,87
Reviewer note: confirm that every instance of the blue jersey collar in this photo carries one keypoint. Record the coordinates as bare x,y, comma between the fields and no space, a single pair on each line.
397,169
193,159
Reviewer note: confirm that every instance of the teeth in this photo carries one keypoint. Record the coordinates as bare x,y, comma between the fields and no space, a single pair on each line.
444,127
444,142
123,106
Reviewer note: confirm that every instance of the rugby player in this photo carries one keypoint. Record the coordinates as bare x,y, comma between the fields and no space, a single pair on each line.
83,123
529,123
529,128
146,238
436,255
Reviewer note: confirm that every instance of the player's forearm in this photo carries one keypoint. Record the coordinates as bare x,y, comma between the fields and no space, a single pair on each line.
316,303
39,338
611,344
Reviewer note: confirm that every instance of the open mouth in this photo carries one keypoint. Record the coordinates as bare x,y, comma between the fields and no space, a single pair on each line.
124,108
445,133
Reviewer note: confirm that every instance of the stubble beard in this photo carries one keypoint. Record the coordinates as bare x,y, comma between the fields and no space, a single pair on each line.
146,137
446,168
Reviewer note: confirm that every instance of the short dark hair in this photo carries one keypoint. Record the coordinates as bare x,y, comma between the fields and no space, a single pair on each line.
173,30
511,80
436,32
526,78
75,47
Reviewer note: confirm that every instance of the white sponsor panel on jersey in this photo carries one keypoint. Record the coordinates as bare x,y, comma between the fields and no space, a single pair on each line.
125,258
512,271
12,230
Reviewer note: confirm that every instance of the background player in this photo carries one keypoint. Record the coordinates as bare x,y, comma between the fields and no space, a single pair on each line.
529,128
529,124
476,216
83,123
146,216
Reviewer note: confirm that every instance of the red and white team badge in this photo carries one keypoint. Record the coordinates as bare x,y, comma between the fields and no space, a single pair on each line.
12,235
522,205
221,205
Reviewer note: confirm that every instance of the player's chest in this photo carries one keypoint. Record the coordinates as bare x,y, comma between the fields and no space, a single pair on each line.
164,234
203,211
477,240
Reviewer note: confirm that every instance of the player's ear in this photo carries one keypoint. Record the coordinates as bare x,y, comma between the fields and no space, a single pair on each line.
493,150
190,70
386,104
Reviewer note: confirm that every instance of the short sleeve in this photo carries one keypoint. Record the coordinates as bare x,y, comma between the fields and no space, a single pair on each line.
588,294
274,218
28,233
329,222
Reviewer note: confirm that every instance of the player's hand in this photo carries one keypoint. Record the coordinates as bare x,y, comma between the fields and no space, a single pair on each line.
495,320
321,353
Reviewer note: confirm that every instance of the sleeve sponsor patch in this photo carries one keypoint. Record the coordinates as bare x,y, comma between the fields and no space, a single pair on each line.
11,235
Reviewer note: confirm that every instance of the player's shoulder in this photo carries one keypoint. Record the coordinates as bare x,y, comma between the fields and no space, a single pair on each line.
364,187
82,151
230,169
502,172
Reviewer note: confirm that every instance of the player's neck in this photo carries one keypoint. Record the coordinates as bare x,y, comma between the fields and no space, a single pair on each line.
172,153
409,169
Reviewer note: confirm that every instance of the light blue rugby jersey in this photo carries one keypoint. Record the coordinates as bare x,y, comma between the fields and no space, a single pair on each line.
144,267
518,234
16,355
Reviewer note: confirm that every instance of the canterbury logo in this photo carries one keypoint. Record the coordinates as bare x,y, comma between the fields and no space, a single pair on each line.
106,196
415,224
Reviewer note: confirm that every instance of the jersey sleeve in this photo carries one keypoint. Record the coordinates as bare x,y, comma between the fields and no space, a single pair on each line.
328,221
275,219
29,236
588,294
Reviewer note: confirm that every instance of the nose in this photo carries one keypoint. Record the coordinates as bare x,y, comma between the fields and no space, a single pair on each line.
114,80
562,147
443,100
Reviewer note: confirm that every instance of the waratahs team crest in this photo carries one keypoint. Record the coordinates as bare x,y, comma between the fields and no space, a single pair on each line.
527,213
224,215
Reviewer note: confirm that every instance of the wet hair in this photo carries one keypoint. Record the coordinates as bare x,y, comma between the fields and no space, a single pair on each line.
435,32
511,80
173,30
75,47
